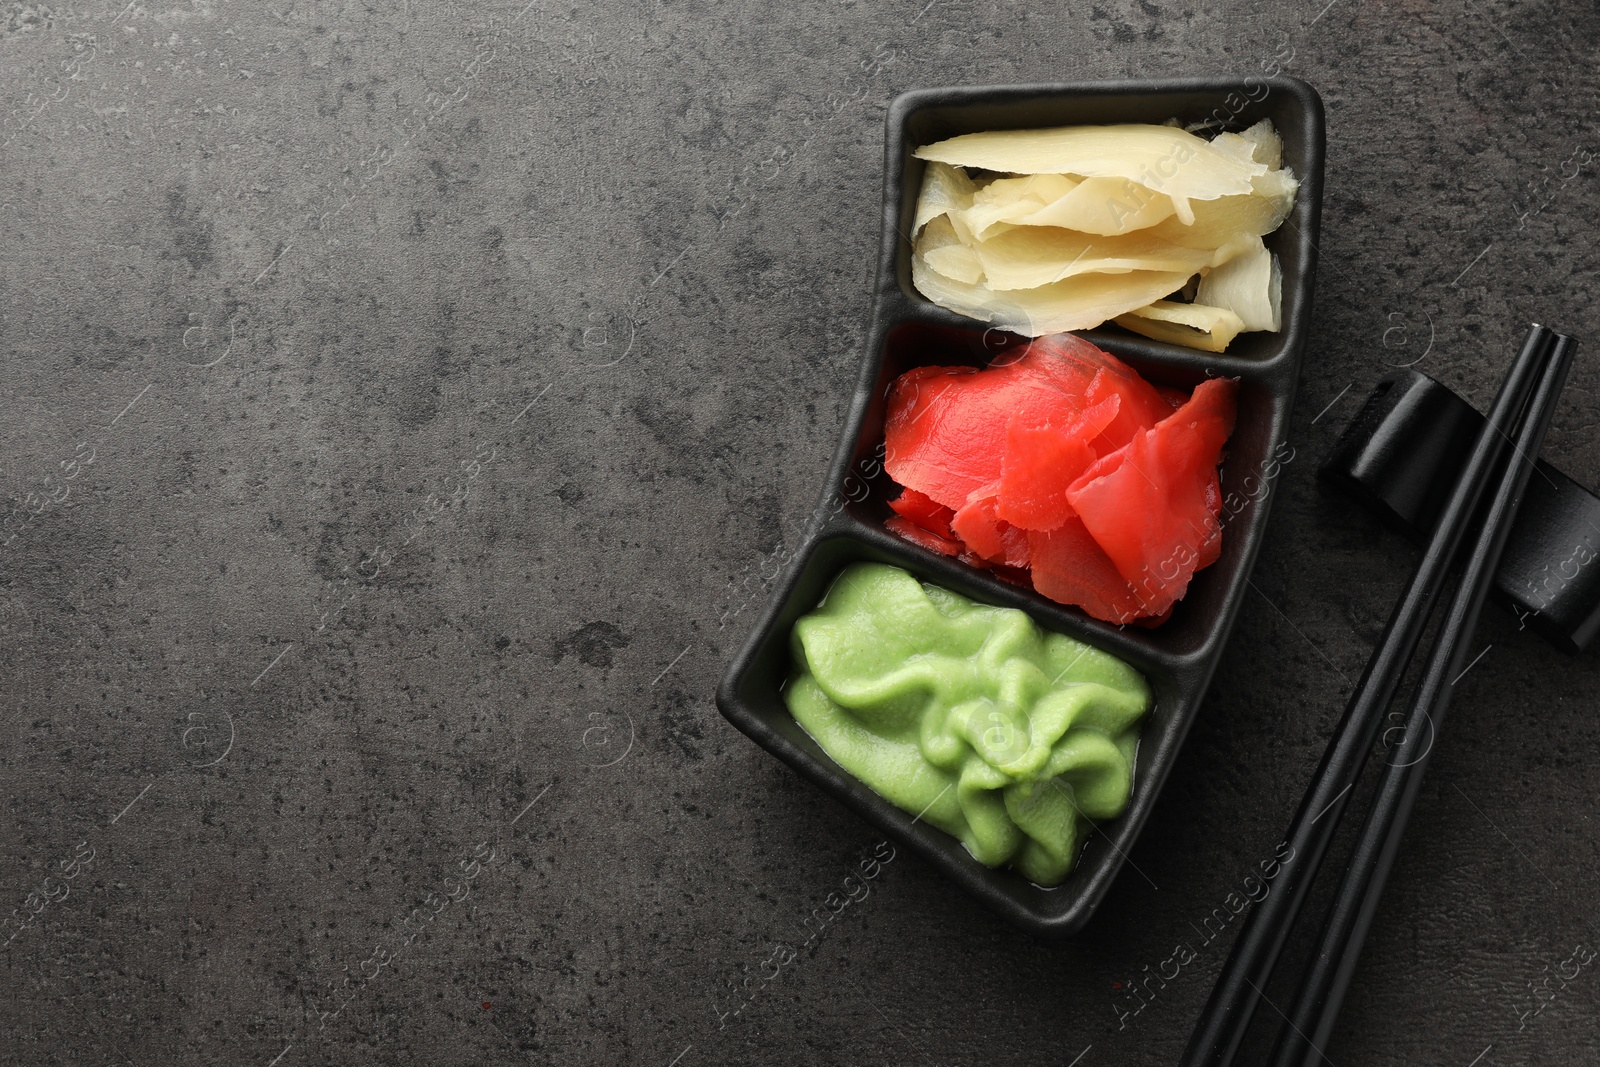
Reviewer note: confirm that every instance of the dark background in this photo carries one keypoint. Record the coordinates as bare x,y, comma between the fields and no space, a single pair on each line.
302,605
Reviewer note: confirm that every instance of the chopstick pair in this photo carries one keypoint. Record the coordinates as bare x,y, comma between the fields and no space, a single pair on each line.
1503,454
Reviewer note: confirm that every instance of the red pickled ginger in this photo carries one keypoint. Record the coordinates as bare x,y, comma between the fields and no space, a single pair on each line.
1061,458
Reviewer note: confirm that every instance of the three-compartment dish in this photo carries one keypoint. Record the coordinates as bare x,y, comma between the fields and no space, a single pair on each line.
1175,658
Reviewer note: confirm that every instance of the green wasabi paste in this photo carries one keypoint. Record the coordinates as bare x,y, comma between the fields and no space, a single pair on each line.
1008,738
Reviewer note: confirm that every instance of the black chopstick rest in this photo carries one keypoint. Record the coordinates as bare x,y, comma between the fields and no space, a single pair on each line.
1315,1011
1265,929
1400,457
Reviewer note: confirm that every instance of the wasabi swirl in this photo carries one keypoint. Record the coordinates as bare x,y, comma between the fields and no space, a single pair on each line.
1011,739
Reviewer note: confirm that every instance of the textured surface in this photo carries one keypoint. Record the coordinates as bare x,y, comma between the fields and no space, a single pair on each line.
313,628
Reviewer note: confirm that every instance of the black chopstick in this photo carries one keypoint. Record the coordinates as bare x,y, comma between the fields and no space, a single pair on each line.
1249,966
1316,1008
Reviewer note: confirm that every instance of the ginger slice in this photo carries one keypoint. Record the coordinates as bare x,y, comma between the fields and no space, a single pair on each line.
943,250
1077,303
944,189
1162,158
1210,329
1250,285
1006,200
1105,206
1030,256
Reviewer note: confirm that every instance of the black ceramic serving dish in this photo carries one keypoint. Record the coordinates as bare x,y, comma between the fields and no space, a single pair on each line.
1178,657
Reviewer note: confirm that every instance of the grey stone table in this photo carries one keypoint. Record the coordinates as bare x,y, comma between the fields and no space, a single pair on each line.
407,405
